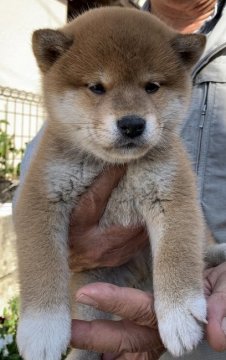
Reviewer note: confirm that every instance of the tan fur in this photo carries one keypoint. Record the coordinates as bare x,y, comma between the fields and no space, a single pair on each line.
123,50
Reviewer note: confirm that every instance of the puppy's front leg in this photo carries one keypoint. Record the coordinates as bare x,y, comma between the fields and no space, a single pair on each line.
176,233
45,321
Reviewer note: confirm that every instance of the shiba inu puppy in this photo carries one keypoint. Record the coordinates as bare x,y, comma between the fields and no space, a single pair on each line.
116,86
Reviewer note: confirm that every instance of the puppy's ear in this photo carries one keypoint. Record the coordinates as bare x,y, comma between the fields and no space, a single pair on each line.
48,45
189,47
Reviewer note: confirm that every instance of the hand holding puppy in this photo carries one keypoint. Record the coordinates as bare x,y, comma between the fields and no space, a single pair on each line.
90,246
136,336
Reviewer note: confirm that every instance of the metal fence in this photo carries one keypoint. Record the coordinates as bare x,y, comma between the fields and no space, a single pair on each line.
21,116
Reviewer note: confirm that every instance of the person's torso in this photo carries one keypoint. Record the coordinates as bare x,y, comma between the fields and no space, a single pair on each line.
204,130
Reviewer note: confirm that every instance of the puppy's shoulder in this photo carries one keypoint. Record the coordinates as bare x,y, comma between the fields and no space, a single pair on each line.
59,173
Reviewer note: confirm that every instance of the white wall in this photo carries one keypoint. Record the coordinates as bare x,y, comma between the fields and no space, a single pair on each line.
18,19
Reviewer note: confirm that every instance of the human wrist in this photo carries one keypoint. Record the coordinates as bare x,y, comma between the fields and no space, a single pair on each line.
184,16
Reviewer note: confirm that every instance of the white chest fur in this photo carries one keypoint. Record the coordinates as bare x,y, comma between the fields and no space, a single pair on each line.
145,183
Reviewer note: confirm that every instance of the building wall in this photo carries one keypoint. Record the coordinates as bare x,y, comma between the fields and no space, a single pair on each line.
19,18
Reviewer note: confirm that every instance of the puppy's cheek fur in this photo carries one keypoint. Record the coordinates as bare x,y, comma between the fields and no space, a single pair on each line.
64,108
78,123
154,131
174,109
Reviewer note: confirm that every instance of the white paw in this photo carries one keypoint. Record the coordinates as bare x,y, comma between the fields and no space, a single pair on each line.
43,335
180,326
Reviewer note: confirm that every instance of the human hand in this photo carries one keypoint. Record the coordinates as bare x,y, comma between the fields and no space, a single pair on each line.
91,246
215,289
135,337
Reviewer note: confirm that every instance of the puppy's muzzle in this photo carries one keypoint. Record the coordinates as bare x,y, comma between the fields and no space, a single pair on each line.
131,126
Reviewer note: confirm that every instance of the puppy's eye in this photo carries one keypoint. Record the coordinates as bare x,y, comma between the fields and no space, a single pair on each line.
97,89
152,87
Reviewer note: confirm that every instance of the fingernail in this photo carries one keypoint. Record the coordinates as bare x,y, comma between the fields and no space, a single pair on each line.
86,300
223,325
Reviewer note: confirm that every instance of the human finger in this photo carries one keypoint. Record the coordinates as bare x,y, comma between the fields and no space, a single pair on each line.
93,202
128,303
216,327
216,278
153,354
106,336
215,283
114,246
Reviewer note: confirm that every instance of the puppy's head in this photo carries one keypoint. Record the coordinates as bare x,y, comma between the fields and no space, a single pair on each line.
116,81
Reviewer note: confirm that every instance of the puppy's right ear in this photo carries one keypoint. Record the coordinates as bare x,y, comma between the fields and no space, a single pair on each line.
48,45
189,47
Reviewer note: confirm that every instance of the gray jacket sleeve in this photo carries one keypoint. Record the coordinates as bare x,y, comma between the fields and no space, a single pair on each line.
29,154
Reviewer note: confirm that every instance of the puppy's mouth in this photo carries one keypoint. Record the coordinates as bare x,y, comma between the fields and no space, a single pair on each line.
129,144
123,150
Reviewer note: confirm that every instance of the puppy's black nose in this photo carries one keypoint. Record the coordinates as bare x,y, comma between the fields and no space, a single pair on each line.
131,126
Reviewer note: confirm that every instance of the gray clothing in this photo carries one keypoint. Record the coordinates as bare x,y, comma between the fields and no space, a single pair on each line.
204,130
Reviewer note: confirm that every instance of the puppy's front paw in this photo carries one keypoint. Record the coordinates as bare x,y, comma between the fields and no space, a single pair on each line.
180,325
43,335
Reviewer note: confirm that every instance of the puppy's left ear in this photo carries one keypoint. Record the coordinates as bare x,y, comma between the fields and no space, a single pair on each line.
189,47
48,45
